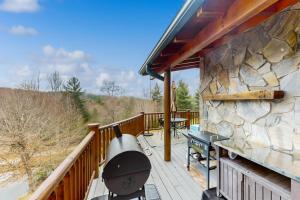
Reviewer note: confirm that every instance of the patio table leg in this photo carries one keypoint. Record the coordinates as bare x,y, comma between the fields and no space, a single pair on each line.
174,128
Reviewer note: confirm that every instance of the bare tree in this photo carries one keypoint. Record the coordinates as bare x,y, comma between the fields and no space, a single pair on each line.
55,81
112,106
110,88
32,85
34,126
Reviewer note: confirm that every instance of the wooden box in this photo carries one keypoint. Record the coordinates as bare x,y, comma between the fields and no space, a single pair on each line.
242,179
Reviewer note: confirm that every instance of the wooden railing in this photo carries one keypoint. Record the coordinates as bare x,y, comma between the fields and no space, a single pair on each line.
72,179
132,125
152,119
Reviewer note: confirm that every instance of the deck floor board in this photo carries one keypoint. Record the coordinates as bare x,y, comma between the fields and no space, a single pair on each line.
172,179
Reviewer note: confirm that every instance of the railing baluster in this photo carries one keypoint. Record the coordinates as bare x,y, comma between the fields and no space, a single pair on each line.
52,196
76,181
85,167
72,185
80,176
104,143
66,188
59,192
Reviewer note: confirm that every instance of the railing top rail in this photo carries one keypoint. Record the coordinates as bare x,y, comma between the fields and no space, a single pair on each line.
152,113
179,111
46,188
121,121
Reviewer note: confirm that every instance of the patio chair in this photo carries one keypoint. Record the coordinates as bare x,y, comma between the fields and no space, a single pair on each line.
181,128
161,125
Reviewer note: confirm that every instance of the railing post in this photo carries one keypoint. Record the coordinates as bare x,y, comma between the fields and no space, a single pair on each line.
143,120
95,127
188,122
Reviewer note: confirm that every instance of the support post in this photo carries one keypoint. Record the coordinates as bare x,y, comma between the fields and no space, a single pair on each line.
167,115
96,152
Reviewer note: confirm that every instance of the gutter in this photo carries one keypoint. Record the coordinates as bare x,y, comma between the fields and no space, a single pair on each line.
189,8
152,73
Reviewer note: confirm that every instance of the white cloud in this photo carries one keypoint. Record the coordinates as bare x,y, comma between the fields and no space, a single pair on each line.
64,61
19,6
23,72
127,79
48,50
127,76
21,30
64,55
102,77
77,63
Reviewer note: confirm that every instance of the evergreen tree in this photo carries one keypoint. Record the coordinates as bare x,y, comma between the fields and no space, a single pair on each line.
196,100
156,94
74,89
157,97
183,98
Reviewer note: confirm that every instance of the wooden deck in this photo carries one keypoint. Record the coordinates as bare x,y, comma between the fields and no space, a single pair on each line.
172,179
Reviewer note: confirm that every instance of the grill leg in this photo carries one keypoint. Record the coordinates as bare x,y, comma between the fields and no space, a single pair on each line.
207,163
188,156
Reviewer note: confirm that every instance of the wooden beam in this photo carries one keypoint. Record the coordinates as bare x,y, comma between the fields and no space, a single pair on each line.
208,14
252,95
188,63
257,19
185,68
167,115
239,12
193,58
166,54
182,41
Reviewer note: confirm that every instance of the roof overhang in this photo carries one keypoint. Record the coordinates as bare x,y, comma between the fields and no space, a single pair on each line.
203,25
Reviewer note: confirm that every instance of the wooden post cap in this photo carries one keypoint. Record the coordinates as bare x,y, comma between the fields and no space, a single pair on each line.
93,125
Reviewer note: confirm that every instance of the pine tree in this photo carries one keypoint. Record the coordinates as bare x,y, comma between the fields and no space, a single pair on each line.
183,98
74,89
196,100
156,94
157,97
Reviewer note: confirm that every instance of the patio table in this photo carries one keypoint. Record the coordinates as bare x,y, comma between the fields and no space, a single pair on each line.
175,121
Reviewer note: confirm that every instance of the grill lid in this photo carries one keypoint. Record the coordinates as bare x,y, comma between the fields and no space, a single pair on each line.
125,157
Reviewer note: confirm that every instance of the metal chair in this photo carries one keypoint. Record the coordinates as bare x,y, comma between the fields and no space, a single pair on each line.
161,125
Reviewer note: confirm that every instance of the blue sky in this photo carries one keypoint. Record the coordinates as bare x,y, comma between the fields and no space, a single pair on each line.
95,40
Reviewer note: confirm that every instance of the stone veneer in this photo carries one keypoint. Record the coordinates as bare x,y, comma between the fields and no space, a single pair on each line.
265,57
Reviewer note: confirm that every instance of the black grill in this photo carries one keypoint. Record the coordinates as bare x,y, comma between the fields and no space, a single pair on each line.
126,168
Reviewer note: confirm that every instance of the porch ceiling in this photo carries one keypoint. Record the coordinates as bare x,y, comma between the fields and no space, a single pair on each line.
201,26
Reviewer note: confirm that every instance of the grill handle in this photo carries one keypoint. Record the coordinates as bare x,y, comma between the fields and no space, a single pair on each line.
117,130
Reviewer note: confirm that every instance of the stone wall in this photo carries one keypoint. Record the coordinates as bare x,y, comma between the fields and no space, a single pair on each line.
265,57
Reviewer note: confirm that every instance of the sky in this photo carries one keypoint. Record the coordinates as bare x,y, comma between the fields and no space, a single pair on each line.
94,40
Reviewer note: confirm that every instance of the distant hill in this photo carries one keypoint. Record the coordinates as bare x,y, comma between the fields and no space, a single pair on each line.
107,109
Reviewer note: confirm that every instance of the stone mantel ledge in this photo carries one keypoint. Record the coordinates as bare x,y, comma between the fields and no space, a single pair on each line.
282,163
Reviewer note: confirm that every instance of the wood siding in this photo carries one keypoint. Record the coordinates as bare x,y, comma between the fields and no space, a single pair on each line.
244,180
